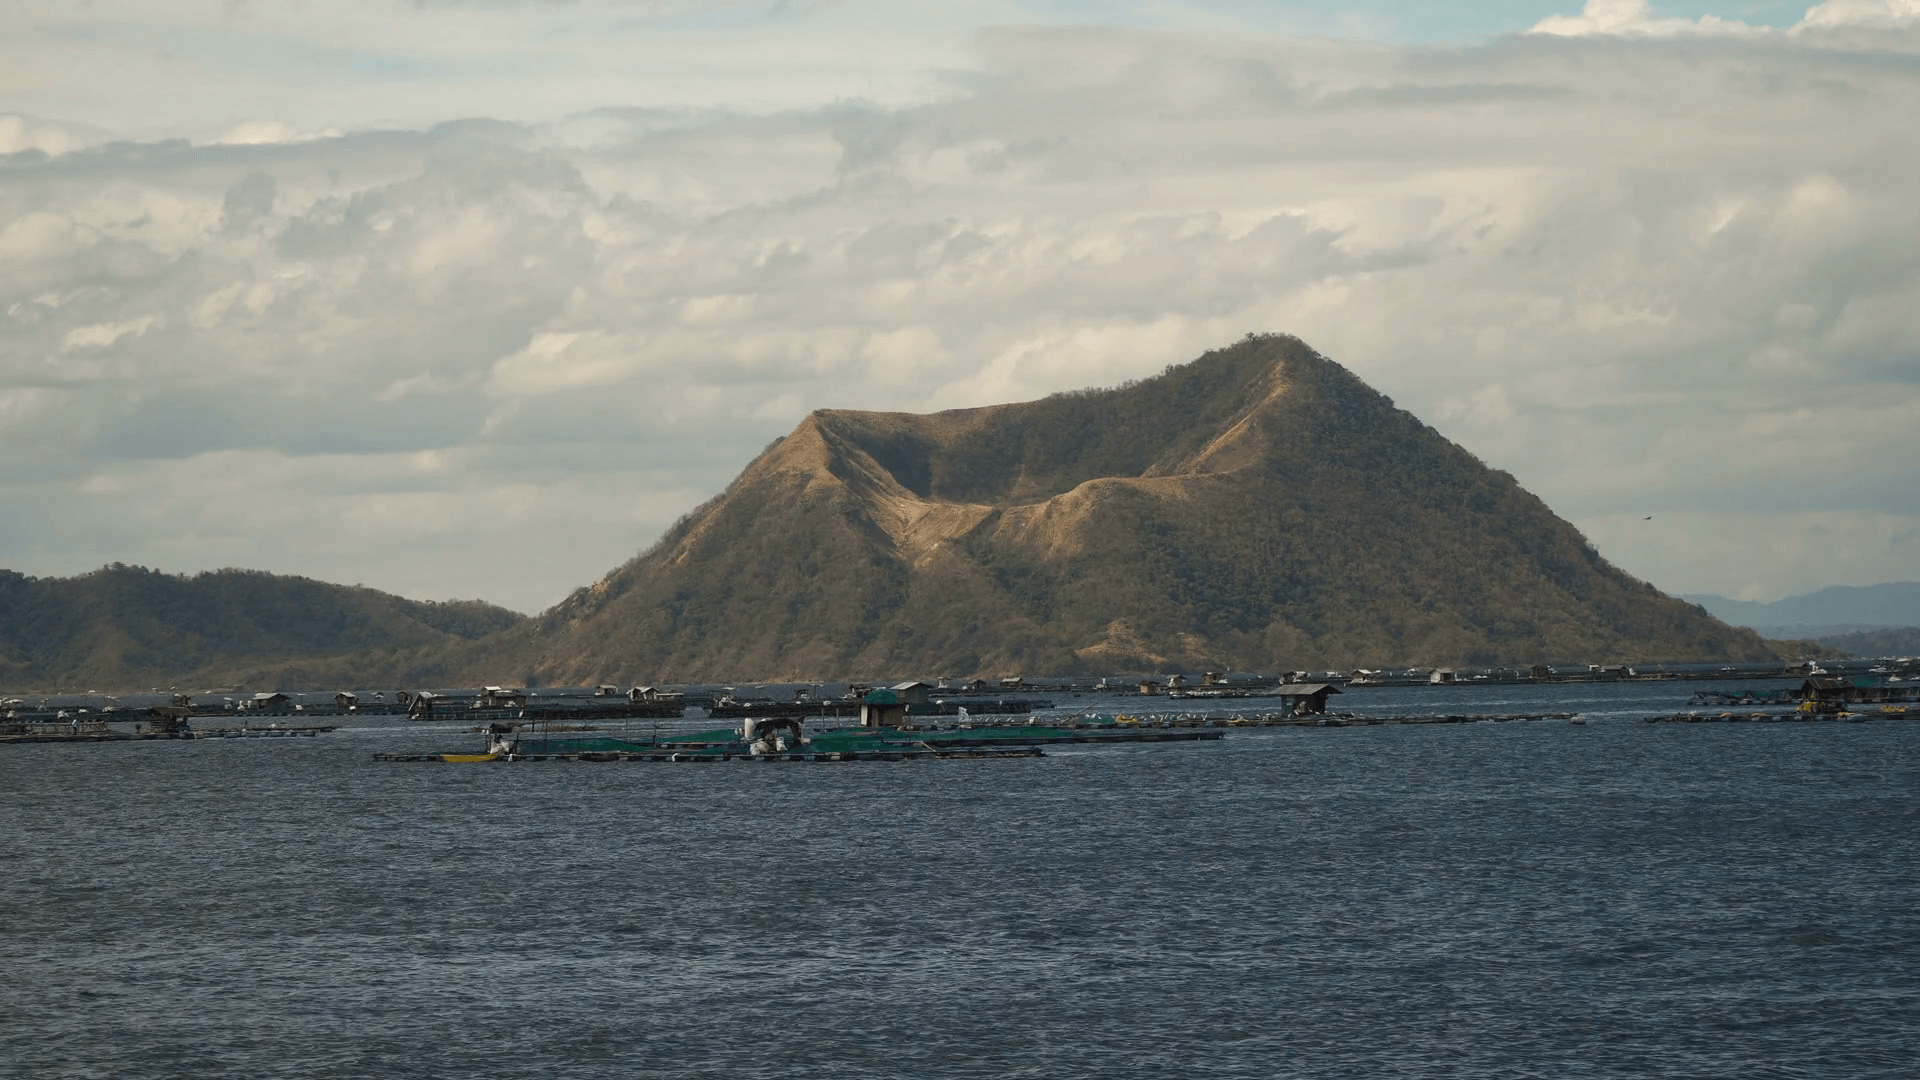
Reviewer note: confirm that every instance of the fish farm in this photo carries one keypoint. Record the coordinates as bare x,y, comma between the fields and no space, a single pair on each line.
785,739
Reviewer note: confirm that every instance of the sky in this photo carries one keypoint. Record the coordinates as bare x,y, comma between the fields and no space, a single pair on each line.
474,299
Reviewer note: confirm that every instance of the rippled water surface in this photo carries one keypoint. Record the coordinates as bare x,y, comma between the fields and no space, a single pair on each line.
1491,900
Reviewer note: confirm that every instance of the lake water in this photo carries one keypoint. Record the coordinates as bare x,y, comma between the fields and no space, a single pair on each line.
1491,900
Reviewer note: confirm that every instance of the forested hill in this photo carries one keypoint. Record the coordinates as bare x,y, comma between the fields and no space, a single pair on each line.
123,627
1259,508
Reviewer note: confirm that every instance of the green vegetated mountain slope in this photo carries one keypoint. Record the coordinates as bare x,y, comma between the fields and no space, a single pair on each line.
124,626
1259,508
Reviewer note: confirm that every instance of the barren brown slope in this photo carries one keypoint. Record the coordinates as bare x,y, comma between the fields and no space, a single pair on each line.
1258,508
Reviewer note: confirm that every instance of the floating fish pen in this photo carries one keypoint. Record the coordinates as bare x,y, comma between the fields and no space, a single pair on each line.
661,754
740,710
57,729
1291,719
1743,697
358,708
428,708
1797,716
305,732
978,708
780,738
99,731
1351,720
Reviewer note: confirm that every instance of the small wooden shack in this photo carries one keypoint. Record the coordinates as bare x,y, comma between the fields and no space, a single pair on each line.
913,693
168,719
1308,699
883,708
501,697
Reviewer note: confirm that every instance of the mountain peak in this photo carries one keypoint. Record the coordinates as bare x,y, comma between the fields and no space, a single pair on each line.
1193,418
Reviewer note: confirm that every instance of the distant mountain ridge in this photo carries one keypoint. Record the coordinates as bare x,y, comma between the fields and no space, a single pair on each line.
1834,610
126,626
1902,641
1259,508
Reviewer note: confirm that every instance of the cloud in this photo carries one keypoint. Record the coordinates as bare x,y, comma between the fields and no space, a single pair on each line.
1861,13
27,135
1642,271
1636,17
1628,17
104,335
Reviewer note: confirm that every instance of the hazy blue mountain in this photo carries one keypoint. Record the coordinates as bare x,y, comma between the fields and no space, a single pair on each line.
1836,609
1901,642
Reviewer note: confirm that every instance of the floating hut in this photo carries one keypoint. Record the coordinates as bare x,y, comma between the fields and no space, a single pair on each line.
913,693
883,708
1308,699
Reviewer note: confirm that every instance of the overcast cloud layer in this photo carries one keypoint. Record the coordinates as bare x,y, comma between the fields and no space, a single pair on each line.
1650,265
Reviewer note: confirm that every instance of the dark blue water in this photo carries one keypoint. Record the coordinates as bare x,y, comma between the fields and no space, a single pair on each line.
1494,900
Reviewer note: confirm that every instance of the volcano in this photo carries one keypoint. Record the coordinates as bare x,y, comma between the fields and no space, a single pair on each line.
1260,508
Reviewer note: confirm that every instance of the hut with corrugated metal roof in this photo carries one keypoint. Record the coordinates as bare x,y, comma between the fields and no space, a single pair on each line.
913,693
